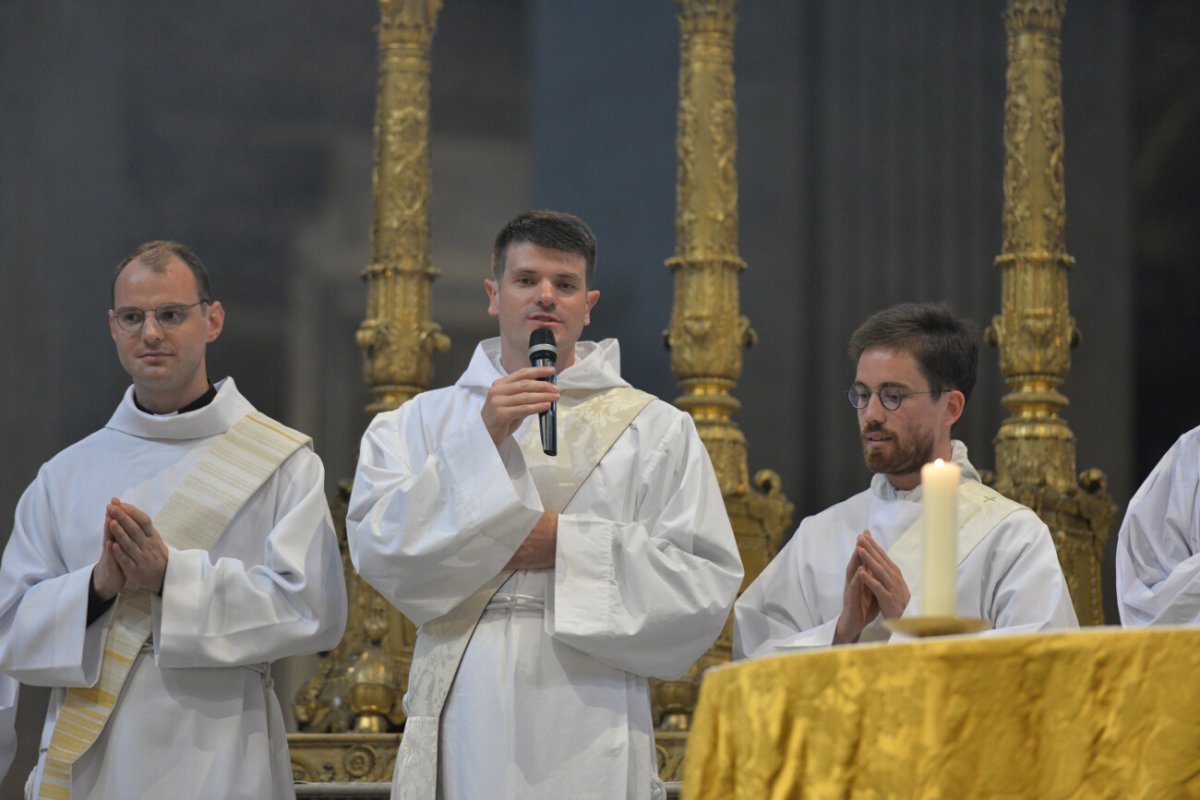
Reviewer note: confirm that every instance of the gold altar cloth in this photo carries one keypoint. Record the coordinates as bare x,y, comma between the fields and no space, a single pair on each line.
1095,713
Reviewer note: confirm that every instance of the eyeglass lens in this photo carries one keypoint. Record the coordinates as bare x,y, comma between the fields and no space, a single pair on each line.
890,398
169,315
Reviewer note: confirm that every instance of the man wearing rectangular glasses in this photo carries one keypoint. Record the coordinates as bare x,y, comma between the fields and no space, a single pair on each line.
158,567
840,576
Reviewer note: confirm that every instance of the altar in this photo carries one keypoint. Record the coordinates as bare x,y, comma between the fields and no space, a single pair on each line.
1093,713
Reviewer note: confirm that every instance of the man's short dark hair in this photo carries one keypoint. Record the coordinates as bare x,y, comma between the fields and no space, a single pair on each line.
552,230
156,255
945,346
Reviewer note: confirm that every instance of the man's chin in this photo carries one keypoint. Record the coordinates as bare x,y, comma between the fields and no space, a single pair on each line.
899,470
876,461
156,377
875,465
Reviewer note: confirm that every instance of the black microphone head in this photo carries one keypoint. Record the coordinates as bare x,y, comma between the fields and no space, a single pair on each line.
542,347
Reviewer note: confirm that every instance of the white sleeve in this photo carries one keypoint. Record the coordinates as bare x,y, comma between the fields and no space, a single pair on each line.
649,595
286,596
781,612
1158,566
44,636
1024,589
437,509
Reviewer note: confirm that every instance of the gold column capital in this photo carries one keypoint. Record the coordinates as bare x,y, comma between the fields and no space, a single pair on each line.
408,20
715,17
1035,16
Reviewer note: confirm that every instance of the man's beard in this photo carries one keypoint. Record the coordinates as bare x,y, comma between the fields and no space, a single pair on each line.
903,459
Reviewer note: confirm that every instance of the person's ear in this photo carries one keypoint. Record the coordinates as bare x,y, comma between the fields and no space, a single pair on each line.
493,293
956,403
215,320
592,297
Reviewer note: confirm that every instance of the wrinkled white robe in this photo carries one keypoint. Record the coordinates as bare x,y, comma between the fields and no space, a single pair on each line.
197,717
551,699
1012,578
1158,546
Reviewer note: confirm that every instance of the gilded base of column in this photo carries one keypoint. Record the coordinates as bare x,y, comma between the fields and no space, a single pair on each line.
760,518
358,687
1080,520
343,757
669,747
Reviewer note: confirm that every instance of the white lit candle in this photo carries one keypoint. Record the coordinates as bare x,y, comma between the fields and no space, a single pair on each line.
939,491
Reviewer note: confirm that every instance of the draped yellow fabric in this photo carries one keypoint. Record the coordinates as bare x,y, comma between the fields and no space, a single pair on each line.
1095,713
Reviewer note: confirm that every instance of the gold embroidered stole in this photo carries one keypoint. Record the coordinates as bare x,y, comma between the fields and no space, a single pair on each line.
980,509
588,428
193,518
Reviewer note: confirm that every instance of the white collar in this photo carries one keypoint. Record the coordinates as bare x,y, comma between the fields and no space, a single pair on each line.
211,420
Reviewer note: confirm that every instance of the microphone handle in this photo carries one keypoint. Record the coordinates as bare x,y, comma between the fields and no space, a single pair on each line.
548,421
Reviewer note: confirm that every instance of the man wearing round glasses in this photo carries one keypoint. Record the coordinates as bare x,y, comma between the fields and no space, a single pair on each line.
158,567
838,577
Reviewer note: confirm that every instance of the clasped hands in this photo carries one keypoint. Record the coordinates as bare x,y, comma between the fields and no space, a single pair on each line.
874,586
134,557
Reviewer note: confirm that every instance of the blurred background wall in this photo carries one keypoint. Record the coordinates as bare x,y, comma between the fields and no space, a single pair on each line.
870,157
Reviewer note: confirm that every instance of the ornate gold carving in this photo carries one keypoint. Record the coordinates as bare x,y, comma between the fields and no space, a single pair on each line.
359,685
1024,18
343,758
1035,449
374,689
398,335
669,747
707,332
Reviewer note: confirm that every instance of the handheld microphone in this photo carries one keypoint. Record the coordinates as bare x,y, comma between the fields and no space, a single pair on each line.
543,352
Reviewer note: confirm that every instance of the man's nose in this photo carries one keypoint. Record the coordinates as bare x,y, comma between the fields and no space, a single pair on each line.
546,293
151,330
874,410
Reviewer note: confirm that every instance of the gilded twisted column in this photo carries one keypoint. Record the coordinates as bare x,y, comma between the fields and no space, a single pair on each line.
1035,449
707,332
358,686
398,335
